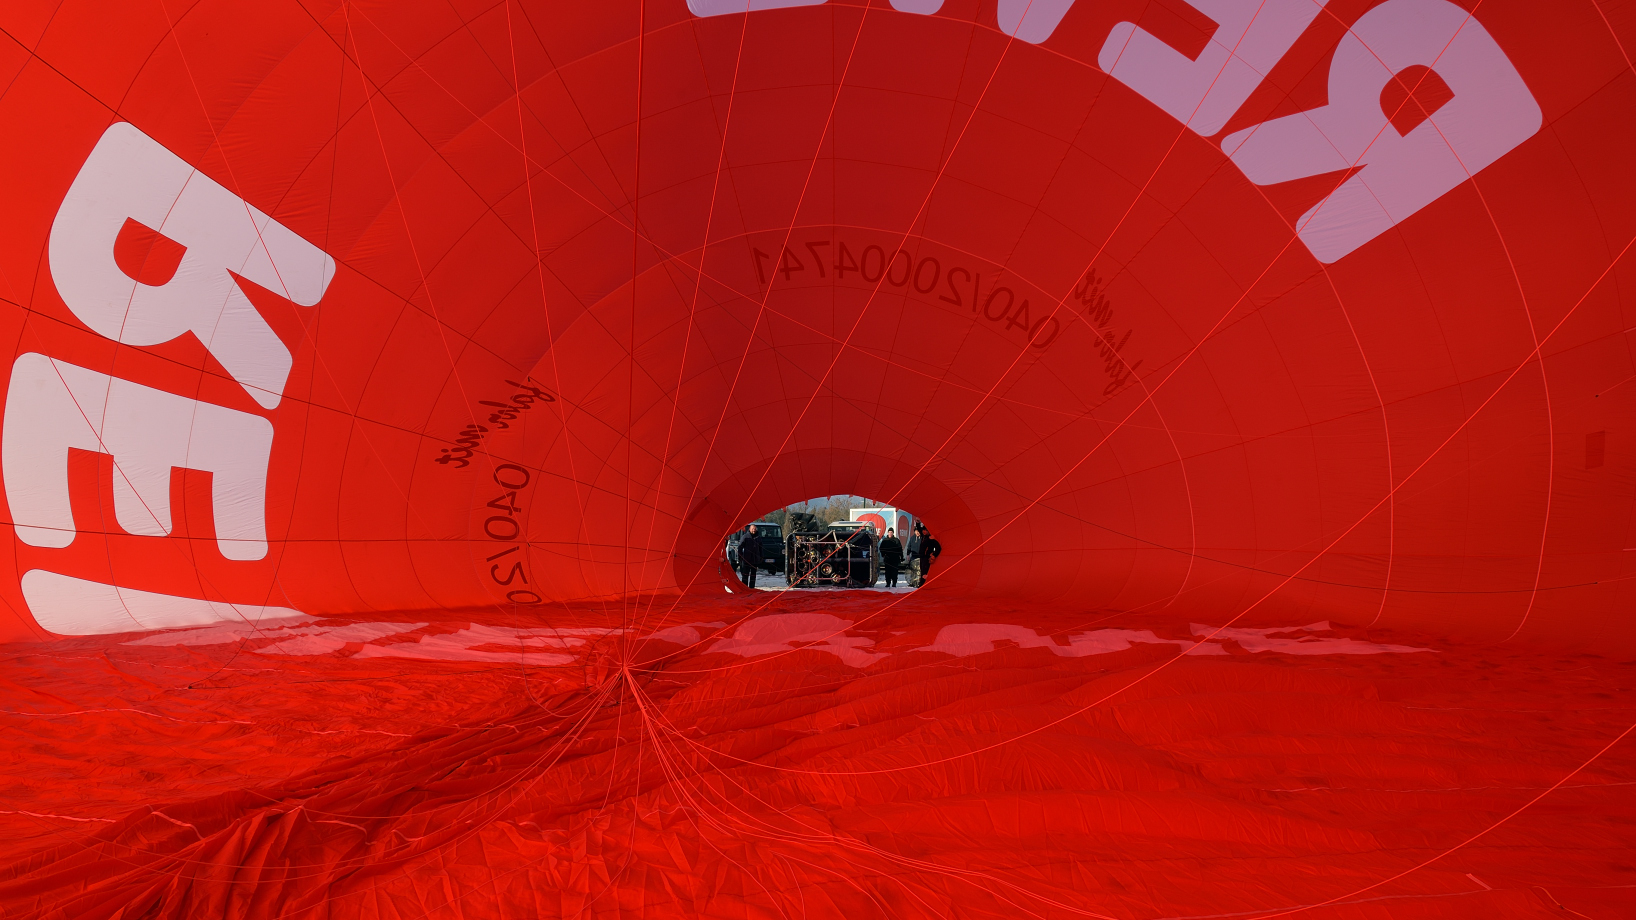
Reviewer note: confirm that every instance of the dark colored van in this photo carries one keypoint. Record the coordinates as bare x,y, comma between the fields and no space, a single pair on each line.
772,547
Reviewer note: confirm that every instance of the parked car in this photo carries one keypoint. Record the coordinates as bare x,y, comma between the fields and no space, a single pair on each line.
772,547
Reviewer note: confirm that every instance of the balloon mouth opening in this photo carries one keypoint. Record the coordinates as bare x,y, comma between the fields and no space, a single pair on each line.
751,492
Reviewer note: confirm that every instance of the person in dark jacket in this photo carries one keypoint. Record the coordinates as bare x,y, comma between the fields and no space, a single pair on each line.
891,556
749,557
929,549
914,554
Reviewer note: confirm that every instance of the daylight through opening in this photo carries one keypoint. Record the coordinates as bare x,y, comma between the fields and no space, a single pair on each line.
834,542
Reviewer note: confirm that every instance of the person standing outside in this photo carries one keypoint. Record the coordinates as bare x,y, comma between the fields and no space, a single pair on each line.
891,556
913,554
929,549
749,557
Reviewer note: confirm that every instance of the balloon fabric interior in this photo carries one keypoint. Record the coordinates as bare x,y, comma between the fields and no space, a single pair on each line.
388,377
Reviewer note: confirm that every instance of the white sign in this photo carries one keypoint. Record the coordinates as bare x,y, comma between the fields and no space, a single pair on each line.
882,518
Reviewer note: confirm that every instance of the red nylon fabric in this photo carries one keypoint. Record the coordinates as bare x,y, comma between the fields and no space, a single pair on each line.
214,780
466,332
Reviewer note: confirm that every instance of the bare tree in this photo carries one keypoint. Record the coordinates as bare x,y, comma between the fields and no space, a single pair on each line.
839,508
828,510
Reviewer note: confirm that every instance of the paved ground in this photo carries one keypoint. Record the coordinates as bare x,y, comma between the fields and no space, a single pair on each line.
765,582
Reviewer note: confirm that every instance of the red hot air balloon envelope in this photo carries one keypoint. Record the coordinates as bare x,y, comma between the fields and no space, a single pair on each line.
386,376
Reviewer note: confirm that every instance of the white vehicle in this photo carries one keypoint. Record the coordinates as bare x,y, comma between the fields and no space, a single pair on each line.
882,518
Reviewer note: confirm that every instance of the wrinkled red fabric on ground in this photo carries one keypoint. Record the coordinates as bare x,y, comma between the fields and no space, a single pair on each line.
1100,765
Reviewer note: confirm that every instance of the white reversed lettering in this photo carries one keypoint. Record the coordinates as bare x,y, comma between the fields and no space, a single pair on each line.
1032,21
53,406
1203,92
130,176
1490,113
727,7
71,606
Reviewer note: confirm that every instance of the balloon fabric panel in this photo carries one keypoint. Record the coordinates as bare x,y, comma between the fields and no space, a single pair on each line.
1260,367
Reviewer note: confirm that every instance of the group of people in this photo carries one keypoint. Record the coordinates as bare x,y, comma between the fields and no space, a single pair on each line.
922,549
